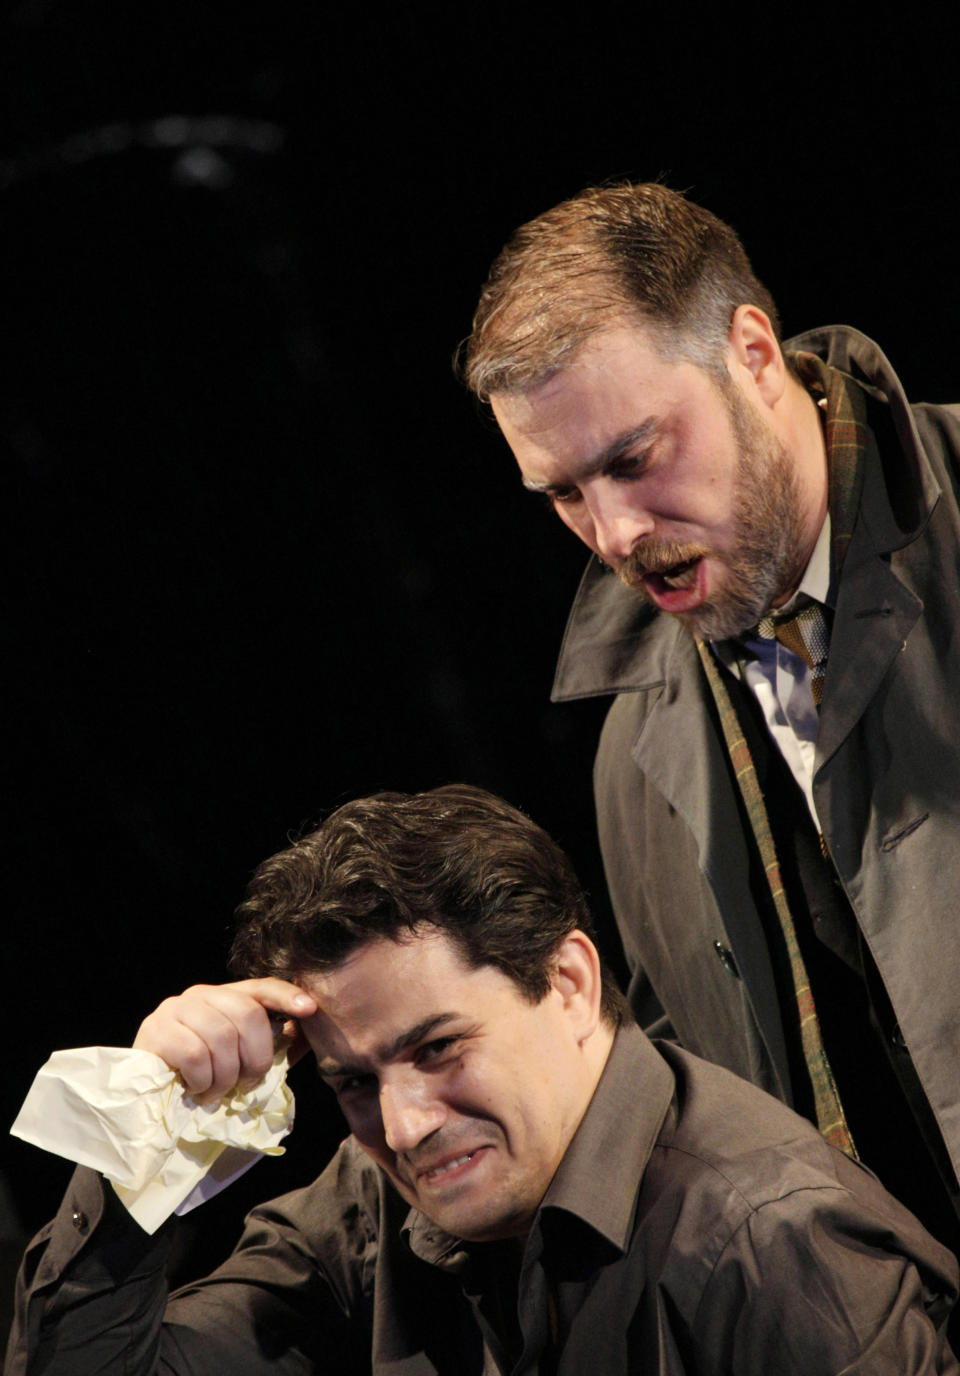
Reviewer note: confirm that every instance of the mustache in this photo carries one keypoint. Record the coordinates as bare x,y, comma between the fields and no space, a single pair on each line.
656,556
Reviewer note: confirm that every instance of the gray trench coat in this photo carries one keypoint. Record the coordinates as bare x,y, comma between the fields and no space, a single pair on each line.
887,774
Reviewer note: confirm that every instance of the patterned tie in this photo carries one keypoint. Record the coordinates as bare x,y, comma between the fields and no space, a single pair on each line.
807,634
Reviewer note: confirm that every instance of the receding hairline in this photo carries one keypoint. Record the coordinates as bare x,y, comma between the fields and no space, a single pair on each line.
525,372
636,249
668,345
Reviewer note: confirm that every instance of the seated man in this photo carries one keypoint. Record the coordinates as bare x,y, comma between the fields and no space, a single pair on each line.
529,1184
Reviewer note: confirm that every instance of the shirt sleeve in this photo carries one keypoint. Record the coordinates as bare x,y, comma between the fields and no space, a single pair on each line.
92,1294
91,1289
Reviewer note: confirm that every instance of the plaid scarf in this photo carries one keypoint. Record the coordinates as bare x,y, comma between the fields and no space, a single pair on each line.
845,432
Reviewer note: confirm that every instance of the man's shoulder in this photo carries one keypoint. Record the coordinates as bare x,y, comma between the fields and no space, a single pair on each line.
939,429
733,1153
729,1129
741,1198
733,1163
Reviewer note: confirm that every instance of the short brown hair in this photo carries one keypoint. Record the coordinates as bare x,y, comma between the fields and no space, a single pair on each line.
456,858
636,252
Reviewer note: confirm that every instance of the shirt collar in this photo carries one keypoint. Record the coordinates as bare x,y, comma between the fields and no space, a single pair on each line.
815,583
599,1178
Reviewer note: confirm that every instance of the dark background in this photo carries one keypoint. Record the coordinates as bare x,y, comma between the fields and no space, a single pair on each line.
262,553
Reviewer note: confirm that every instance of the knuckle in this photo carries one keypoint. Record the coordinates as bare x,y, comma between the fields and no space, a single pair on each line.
198,991
194,1066
258,1064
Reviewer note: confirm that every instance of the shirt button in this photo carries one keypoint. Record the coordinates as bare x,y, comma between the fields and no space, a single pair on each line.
726,959
79,1220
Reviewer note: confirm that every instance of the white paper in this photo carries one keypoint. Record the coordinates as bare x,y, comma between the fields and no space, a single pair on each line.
126,1114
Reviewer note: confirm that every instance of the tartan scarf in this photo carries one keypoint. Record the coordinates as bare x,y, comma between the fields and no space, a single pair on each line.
845,435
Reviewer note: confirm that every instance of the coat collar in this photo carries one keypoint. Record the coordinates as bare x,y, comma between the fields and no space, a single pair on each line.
613,643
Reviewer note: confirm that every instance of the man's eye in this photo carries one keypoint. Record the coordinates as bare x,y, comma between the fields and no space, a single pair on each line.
628,465
563,496
432,1051
354,1084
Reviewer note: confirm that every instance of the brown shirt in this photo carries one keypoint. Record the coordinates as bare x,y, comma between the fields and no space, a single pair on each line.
695,1226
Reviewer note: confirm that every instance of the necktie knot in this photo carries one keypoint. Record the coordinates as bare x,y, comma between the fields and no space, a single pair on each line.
805,633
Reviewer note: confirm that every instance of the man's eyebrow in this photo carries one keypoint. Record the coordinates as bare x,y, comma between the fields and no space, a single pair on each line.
331,1069
600,462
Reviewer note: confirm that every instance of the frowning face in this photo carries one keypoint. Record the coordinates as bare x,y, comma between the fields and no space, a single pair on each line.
674,480
463,1091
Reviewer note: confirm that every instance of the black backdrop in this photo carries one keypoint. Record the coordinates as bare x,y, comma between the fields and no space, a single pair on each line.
262,553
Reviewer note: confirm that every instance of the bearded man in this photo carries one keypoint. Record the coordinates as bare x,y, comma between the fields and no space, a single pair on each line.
778,778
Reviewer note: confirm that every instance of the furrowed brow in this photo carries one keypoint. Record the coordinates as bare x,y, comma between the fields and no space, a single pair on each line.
602,461
331,1069
415,1034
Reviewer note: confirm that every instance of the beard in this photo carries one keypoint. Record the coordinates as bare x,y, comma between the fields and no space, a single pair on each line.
766,559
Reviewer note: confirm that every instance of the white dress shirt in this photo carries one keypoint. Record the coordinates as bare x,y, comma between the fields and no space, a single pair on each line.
781,680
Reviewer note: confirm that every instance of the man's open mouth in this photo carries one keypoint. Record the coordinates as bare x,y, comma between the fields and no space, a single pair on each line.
677,576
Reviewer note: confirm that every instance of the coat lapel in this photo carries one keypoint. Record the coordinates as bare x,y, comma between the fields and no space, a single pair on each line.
873,621
875,611
695,781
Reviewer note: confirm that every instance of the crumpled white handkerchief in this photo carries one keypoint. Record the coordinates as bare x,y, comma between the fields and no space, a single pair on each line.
126,1114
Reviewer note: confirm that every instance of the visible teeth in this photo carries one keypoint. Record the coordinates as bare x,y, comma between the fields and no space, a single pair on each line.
680,576
450,1165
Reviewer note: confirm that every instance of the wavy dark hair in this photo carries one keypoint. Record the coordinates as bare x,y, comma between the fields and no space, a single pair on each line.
455,858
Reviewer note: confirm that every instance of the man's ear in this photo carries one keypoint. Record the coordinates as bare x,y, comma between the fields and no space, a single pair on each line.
577,979
754,355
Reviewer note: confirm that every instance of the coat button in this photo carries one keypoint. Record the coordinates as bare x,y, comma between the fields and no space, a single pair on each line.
897,1038
726,959
79,1220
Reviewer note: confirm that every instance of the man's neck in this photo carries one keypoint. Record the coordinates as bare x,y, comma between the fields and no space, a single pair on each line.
806,441
802,431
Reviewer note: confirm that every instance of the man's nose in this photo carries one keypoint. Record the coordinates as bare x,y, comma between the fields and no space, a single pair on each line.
619,522
410,1112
